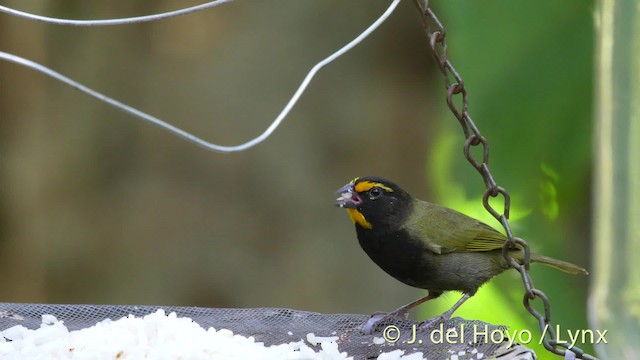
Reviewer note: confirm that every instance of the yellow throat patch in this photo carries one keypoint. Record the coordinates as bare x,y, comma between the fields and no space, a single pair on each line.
357,218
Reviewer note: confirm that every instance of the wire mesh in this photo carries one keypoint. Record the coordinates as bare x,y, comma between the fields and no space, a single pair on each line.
274,326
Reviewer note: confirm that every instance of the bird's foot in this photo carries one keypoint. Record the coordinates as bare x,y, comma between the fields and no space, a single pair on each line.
424,325
380,318
432,322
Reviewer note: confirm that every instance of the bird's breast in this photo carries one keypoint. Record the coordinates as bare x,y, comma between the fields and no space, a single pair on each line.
399,255
409,261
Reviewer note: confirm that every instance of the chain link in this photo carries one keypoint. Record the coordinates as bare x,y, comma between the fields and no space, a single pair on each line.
457,92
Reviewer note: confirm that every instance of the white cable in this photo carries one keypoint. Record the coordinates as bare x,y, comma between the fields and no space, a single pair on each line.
188,136
106,22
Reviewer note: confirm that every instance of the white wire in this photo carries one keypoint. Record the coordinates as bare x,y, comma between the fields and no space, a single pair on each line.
106,22
186,135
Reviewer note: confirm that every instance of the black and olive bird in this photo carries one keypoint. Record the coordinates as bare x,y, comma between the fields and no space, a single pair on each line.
426,245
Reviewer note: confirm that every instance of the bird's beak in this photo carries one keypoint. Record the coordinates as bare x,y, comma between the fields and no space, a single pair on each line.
348,197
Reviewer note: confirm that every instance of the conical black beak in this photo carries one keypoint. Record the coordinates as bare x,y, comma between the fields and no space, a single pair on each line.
348,197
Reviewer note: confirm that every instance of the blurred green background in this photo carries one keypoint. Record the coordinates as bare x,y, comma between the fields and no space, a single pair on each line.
97,207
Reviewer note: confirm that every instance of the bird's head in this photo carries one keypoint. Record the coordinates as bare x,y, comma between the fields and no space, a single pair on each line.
375,203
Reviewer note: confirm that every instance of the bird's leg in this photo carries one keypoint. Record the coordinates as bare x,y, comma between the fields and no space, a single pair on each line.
446,315
400,312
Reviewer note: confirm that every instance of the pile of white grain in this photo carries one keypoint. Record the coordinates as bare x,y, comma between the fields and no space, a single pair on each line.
157,336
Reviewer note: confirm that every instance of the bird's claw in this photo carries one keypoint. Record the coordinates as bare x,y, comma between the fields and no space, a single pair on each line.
381,318
428,323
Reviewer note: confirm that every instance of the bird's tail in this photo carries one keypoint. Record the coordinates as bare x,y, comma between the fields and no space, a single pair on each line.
559,264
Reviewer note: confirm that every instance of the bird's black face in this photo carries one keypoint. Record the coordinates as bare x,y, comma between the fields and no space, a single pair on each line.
375,203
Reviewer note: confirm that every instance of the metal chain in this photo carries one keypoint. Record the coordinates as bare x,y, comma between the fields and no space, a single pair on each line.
457,92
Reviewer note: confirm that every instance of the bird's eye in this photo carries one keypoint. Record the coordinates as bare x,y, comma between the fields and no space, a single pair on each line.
374,193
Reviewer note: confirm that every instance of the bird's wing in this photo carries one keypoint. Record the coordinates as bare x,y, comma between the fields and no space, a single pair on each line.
486,239
443,230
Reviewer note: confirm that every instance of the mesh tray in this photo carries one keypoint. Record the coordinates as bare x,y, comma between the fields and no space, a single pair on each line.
277,326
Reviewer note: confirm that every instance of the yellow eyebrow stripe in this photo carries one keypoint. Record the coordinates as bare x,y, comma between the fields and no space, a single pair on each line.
365,186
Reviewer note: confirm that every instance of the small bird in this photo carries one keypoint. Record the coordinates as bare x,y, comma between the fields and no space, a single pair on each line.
425,245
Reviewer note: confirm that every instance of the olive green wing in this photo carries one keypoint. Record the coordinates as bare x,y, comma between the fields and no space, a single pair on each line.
443,230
